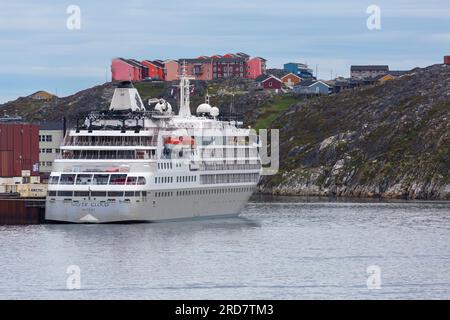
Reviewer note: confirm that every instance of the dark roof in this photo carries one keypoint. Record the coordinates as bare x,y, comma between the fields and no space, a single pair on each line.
51,125
262,77
242,54
307,83
125,85
157,63
194,60
137,63
130,62
370,67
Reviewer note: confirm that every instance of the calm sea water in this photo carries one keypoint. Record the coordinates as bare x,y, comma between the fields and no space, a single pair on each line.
279,248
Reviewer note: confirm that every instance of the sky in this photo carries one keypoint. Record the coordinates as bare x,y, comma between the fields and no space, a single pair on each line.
39,52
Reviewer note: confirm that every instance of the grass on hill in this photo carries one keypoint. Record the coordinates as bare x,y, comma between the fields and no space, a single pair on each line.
149,89
271,110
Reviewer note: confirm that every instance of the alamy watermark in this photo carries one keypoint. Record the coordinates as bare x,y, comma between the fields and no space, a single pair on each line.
73,281
374,20
73,22
374,279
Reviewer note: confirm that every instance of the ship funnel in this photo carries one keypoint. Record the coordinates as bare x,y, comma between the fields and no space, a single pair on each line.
126,97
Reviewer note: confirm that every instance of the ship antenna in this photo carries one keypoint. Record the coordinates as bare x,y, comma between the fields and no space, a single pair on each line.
207,97
184,92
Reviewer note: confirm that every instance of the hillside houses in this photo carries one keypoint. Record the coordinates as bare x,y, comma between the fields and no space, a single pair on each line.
201,68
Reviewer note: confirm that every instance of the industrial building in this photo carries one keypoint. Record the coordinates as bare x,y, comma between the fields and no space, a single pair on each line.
19,154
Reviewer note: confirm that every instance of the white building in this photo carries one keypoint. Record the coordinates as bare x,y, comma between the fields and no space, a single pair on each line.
51,135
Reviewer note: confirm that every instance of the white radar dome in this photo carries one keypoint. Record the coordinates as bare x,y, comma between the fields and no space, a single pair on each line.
214,111
204,108
163,106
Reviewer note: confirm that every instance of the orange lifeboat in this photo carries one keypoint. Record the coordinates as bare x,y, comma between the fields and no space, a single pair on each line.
185,141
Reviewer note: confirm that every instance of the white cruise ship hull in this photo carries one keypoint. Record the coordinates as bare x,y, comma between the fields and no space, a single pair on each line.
150,209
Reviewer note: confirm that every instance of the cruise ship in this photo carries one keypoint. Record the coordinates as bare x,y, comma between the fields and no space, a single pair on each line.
130,164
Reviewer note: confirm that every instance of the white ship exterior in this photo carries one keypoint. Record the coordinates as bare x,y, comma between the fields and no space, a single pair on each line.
133,165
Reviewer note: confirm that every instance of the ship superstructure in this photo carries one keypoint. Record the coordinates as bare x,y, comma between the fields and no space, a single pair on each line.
130,164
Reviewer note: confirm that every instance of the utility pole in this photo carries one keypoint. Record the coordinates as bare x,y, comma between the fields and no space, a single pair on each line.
317,71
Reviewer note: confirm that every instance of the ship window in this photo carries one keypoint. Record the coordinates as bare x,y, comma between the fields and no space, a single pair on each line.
52,193
144,193
101,179
81,194
137,194
98,193
131,180
118,179
84,179
67,179
115,193
129,193
54,180
65,193
141,181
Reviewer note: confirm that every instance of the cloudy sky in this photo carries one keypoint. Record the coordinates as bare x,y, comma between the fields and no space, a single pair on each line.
38,51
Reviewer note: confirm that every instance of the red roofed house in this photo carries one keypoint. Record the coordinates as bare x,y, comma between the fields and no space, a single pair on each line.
272,83
124,69
155,69
255,67
291,80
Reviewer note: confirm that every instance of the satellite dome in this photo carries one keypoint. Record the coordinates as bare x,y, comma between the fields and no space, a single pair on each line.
204,108
163,106
214,111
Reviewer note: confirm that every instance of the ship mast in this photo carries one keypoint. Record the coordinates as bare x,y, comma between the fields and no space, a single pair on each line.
184,92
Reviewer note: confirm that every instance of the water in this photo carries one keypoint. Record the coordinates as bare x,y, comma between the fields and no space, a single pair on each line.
279,248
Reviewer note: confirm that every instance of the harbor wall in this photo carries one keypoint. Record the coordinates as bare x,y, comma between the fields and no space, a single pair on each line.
22,211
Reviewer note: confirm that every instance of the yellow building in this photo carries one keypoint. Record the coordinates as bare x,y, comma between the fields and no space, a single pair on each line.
41,95
386,78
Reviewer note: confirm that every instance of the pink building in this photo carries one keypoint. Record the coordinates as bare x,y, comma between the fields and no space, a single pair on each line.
171,70
200,69
123,70
256,67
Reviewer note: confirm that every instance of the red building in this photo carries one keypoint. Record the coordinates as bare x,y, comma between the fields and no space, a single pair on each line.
447,60
272,83
255,67
19,150
227,67
155,69
127,70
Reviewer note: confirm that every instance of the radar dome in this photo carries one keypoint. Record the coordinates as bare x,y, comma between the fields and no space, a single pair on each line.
214,111
204,108
163,106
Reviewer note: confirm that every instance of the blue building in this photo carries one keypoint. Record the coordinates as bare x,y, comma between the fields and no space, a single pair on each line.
313,88
299,69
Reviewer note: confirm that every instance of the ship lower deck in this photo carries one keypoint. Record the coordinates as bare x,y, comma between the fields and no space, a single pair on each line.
157,205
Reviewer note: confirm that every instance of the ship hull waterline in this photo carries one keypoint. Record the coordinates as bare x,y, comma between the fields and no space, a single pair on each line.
148,210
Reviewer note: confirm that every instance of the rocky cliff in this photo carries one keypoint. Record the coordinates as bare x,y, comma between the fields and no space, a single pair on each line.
390,140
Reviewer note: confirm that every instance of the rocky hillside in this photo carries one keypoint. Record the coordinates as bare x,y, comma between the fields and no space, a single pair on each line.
391,140
235,95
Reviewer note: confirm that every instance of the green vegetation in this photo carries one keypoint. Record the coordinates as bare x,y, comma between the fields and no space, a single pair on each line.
271,110
150,89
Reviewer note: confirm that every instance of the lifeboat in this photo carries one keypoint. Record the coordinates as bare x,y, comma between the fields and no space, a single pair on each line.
185,141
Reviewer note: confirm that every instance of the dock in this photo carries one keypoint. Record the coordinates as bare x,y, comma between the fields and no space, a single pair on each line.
22,211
